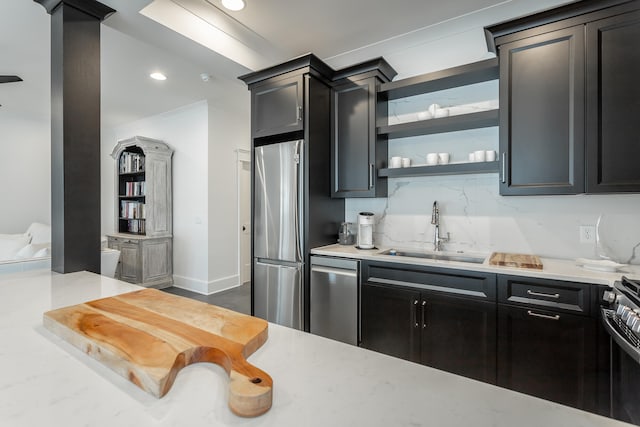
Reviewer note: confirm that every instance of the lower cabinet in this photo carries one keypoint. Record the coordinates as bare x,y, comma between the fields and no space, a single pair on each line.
536,336
550,344
436,327
146,261
548,354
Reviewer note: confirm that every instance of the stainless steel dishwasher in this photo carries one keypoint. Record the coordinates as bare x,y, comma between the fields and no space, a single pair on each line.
335,298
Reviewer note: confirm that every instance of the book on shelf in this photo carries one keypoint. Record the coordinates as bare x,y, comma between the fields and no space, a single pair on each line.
134,226
134,188
132,209
131,162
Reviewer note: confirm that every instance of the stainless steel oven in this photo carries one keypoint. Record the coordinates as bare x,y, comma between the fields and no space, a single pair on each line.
622,321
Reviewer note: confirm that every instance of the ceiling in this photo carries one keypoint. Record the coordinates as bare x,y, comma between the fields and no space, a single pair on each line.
145,35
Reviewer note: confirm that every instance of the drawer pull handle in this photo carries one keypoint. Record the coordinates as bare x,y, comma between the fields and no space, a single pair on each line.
544,316
415,313
541,294
424,308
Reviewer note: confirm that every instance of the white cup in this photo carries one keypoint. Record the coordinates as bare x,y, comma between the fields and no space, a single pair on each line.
472,157
395,162
490,156
480,155
406,162
432,158
433,108
443,158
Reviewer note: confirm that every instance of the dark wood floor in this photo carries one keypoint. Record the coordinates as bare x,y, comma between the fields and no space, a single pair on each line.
236,299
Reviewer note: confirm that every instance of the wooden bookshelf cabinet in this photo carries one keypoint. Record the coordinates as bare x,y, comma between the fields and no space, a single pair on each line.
143,211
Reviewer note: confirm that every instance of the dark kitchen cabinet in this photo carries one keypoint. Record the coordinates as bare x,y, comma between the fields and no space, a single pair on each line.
388,320
547,354
542,114
548,342
358,152
569,99
613,104
277,106
441,318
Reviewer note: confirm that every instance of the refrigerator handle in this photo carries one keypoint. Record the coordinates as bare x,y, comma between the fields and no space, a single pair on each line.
300,196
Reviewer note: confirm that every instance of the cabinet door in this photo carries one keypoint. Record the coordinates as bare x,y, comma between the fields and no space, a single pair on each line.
390,321
613,104
542,114
276,106
129,262
114,243
548,354
156,260
354,139
459,336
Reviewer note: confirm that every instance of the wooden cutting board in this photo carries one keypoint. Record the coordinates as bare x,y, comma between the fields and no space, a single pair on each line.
147,336
515,260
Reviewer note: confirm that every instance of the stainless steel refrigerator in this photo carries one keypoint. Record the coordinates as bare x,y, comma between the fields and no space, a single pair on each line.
278,239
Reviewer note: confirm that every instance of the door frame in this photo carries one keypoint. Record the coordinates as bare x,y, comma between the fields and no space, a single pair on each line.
242,156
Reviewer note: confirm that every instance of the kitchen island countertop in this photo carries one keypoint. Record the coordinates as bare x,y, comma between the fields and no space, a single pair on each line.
317,382
554,269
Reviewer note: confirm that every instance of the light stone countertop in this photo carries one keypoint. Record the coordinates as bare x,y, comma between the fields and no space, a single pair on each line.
556,269
317,382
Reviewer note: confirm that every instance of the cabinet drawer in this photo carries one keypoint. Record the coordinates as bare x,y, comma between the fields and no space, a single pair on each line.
120,240
471,284
558,295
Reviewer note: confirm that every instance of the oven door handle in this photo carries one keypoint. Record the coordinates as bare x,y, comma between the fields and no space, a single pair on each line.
632,351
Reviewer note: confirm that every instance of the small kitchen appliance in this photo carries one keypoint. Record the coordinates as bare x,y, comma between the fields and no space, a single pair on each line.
365,230
345,235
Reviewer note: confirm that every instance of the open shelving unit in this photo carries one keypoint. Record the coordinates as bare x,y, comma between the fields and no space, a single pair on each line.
448,169
468,74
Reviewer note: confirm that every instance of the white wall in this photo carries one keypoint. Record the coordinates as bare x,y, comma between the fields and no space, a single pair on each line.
25,172
186,131
228,131
472,210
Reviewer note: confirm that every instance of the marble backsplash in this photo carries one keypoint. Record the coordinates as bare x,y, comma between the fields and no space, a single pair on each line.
479,219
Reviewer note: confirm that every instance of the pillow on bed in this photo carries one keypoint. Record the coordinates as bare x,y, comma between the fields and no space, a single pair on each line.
40,233
10,244
32,250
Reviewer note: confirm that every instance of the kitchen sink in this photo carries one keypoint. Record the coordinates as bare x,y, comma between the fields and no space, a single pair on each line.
435,256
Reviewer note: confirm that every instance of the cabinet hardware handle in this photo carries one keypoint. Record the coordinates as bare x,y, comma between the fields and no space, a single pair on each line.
299,113
504,167
544,316
424,308
542,294
415,313
371,168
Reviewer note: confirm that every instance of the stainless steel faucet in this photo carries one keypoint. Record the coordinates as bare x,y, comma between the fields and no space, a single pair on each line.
435,220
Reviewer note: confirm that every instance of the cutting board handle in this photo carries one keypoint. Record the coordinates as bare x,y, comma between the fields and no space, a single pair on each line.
250,390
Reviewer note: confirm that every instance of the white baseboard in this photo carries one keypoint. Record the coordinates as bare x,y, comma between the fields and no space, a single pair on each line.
204,287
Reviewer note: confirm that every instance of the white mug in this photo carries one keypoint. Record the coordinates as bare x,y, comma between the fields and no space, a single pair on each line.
479,155
472,157
490,156
432,158
395,162
406,162
443,158
433,108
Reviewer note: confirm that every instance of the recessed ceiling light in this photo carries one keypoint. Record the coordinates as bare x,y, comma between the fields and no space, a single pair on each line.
234,5
158,76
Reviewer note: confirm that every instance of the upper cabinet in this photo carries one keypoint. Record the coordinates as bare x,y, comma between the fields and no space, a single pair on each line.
357,151
542,121
276,106
613,104
569,99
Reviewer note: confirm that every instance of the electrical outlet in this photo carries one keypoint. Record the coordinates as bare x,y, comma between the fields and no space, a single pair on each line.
587,234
